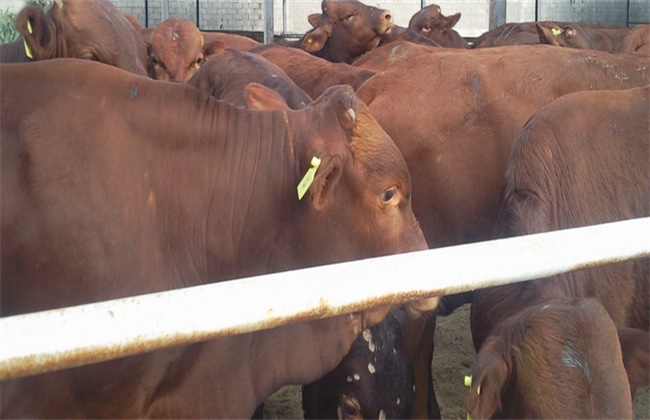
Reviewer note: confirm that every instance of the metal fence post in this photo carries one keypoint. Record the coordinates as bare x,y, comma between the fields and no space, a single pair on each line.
268,21
497,13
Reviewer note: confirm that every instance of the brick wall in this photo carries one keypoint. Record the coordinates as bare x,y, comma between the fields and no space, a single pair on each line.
247,15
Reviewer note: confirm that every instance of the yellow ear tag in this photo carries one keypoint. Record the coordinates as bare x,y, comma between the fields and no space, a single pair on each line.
556,31
28,52
308,179
468,383
310,40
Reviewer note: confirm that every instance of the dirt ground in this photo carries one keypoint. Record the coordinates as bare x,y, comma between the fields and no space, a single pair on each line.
453,358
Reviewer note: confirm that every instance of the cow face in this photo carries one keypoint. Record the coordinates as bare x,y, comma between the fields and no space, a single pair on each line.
431,23
87,29
175,51
345,30
374,381
361,184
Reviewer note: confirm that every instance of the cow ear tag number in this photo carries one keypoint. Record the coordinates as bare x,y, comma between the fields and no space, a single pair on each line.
308,179
556,31
28,52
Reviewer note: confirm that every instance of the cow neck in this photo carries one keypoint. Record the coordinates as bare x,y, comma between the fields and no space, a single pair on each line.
240,164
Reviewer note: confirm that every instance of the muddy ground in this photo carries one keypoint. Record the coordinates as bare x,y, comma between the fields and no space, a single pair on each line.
453,358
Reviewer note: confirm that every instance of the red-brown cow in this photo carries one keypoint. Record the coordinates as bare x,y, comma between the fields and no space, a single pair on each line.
175,49
457,149
225,76
313,74
558,359
345,30
431,23
583,159
508,34
88,29
118,201
234,41
388,55
637,41
454,115
582,35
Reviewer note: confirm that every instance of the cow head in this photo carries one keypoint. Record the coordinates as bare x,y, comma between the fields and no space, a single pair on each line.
431,23
87,29
559,359
374,381
360,183
175,50
345,30
572,36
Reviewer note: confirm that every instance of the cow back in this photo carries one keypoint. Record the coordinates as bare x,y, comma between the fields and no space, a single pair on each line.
460,113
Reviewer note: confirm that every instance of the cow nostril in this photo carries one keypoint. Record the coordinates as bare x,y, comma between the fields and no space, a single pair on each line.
388,17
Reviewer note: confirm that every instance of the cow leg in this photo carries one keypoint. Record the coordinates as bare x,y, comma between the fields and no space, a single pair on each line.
418,339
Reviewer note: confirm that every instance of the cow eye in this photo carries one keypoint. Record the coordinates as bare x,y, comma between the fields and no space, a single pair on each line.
349,17
427,28
349,408
388,195
197,63
89,56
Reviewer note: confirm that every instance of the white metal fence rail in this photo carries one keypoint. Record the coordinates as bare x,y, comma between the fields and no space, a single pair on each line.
57,339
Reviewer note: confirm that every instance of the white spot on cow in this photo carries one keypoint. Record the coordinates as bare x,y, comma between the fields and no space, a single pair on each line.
371,368
545,307
357,377
394,351
349,378
382,415
59,3
367,335
339,412
413,387
352,114
398,400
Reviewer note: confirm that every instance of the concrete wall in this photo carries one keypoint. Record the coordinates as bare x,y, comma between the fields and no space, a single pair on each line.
11,5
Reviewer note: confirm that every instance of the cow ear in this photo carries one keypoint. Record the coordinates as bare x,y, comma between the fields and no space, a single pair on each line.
489,377
546,35
315,39
453,20
260,97
635,347
325,180
314,19
33,25
214,48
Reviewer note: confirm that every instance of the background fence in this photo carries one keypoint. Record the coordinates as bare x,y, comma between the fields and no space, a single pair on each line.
290,16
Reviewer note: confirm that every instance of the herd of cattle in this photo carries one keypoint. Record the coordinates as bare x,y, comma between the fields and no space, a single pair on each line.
114,184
